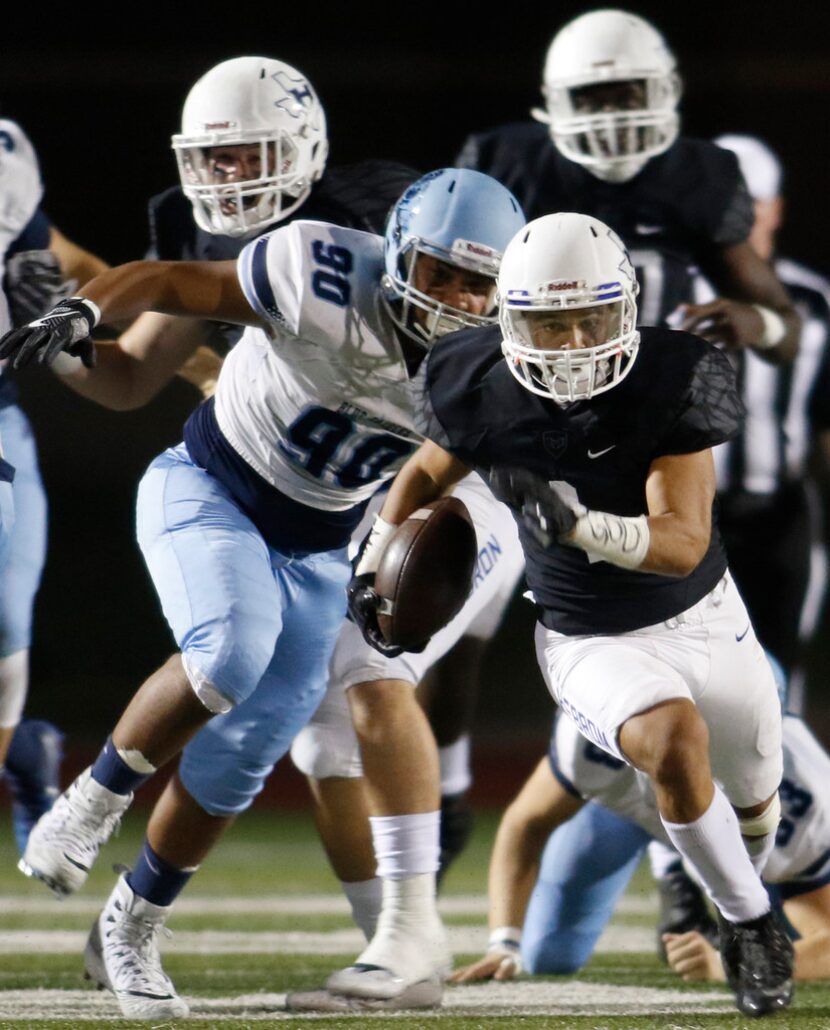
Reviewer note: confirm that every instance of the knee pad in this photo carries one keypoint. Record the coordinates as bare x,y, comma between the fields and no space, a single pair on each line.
208,693
765,823
320,752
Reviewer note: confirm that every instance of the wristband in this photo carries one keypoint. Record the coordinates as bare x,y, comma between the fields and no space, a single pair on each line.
379,537
775,328
619,539
92,313
505,936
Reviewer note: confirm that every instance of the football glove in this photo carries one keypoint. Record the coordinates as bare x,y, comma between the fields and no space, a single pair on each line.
34,283
363,602
546,509
64,328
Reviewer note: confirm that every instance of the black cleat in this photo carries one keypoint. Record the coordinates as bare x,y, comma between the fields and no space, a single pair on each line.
683,908
757,958
456,828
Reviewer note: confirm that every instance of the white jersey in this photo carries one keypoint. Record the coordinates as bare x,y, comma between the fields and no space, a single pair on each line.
320,403
20,194
800,861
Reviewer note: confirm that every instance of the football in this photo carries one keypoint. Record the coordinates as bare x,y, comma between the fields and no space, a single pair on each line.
426,573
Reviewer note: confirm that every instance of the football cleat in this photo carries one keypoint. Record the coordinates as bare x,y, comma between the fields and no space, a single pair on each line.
456,828
683,908
424,995
757,958
122,956
410,946
64,844
32,773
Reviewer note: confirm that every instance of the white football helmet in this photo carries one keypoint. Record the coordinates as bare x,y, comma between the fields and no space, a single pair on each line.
575,269
600,48
250,102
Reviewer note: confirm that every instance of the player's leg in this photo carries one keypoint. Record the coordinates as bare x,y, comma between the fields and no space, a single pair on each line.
449,690
212,571
32,763
651,720
222,769
586,866
401,768
326,750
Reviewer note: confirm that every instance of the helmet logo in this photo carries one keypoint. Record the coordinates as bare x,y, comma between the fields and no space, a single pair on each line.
218,125
296,88
563,284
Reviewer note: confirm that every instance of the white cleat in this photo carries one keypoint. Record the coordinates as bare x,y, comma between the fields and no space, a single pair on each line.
410,947
122,956
424,995
64,843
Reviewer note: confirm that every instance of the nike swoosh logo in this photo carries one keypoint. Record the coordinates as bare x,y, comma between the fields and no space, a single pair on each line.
740,638
599,454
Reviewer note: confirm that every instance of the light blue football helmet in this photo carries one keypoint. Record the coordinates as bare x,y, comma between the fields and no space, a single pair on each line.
459,216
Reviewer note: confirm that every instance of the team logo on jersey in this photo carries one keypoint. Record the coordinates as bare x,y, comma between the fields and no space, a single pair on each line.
298,94
555,441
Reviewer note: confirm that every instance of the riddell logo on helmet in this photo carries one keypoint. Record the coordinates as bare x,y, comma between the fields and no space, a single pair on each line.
558,285
468,247
219,125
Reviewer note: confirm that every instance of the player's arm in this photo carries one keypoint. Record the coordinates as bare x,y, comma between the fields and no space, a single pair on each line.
428,475
203,289
671,539
754,310
693,957
541,806
76,262
680,490
131,370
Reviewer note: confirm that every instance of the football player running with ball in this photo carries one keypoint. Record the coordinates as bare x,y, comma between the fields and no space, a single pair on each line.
244,526
598,436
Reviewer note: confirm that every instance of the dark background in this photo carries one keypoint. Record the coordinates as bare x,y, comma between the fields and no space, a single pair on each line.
400,81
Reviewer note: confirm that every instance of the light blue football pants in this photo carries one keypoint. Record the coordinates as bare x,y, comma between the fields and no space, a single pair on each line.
26,553
257,624
586,866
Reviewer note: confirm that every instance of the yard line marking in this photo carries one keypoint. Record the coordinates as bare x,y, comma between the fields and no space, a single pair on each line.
463,939
554,999
288,904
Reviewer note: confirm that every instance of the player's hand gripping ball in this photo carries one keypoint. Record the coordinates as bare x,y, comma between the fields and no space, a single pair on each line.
425,573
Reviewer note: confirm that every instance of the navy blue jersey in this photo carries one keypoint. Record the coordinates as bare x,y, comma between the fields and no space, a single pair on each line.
682,208
678,398
356,196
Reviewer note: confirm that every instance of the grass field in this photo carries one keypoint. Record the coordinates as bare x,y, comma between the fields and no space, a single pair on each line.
265,916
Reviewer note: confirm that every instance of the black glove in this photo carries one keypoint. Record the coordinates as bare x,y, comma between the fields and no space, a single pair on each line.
64,328
34,283
545,513
363,602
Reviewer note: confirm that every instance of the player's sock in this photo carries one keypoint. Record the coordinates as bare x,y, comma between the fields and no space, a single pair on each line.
122,772
406,845
712,845
454,760
366,899
156,880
